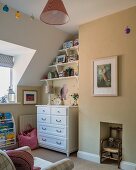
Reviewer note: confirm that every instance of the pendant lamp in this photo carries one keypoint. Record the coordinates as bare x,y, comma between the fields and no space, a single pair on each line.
54,13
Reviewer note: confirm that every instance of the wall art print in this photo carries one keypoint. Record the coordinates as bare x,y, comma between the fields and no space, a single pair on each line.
29,97
105,76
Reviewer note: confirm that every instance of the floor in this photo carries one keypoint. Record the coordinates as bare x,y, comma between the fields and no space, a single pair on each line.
79,164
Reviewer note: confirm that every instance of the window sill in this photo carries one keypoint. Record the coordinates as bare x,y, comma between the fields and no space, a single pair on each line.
10,103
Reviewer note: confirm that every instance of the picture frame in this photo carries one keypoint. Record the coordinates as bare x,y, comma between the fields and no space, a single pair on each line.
61,59
29,97
67,44
105,76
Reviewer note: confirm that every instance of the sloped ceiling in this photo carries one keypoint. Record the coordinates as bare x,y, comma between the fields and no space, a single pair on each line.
80,11
45,39
33,34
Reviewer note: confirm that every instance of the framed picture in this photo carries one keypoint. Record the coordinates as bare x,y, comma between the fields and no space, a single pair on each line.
67,44
61,59
105,76
29,97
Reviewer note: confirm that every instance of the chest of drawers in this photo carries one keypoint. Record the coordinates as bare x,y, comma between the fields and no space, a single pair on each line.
57,128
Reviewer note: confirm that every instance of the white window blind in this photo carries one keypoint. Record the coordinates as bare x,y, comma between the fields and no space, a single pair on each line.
6,61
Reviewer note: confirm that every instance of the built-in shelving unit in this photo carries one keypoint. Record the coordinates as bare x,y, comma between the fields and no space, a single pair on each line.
65,66
59,67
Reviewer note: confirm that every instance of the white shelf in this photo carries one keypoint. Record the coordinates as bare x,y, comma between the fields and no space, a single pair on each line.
60,78
4,140
5,129
2,120
53,105
75,48
71,48
63,64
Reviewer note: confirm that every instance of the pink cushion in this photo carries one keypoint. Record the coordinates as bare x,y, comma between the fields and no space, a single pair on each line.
28,139
22,160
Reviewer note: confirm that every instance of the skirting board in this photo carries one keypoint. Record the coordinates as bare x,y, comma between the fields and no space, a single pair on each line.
96,158
127,165
88,156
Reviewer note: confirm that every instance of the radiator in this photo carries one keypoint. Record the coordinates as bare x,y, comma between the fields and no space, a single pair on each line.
25,120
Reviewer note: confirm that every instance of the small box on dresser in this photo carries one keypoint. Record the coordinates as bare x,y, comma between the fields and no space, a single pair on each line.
57,127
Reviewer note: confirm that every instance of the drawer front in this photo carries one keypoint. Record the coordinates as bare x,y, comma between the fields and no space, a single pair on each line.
43,118
58,131
58,120
54,142
43,110
58,111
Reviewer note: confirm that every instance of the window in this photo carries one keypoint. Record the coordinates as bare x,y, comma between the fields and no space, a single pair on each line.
6,73
5,80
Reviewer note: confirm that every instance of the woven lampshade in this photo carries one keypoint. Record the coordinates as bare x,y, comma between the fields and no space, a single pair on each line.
54,13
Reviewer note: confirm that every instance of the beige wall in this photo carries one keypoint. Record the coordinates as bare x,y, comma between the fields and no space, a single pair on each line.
72,87
20,109
101,38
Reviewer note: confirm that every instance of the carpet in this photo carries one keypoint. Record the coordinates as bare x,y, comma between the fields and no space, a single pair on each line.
79,164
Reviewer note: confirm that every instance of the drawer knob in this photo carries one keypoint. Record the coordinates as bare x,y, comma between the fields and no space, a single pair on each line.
58,120
43,110
59,131
43,118
43,128
58,111
43,139
59,143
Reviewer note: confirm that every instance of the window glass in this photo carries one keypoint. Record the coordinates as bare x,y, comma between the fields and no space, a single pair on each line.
4,80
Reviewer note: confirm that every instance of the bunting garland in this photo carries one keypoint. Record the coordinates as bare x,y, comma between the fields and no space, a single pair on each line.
127,30
18,15
6,9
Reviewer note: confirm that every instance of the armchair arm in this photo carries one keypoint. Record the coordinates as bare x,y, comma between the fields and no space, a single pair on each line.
6,162
65,164
24,148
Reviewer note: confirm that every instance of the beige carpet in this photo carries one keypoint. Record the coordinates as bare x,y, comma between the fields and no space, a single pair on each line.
79,164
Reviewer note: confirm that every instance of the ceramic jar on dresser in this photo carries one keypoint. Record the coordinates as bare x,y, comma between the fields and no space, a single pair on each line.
57,127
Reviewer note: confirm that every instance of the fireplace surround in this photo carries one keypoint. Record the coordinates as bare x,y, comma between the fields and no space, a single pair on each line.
110,142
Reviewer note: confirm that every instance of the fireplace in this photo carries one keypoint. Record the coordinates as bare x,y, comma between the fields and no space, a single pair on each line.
110,142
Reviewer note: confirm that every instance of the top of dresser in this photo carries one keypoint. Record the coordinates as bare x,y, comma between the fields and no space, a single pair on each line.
65,106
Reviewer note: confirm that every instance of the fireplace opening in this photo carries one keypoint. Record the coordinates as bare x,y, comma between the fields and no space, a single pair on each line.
111,142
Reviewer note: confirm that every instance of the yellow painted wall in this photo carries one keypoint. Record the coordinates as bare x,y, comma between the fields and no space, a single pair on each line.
100,38
20,109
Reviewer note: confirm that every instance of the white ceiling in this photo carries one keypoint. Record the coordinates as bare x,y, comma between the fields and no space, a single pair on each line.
80,11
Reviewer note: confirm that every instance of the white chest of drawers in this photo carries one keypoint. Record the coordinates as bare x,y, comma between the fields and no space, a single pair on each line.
57,128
